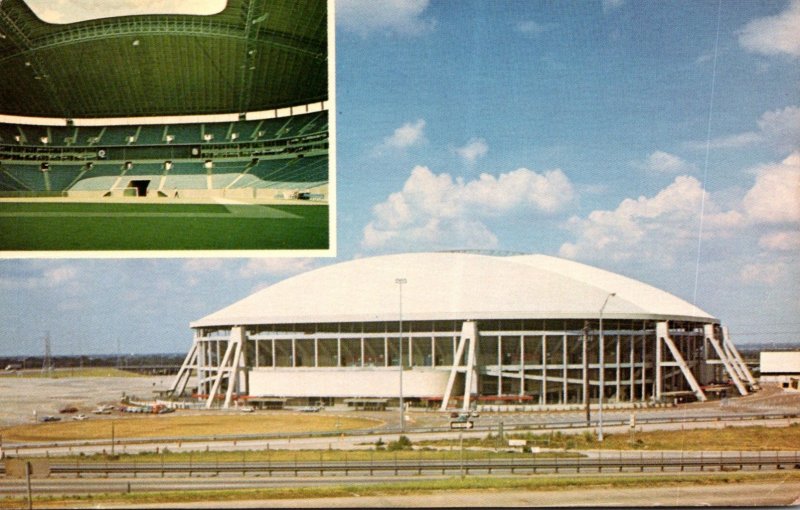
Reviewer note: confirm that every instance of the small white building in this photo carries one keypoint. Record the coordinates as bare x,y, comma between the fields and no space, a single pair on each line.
781,367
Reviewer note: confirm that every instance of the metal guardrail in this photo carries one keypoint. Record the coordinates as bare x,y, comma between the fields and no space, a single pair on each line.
479,427
691,461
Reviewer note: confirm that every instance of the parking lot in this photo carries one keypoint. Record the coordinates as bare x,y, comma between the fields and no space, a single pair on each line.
23,399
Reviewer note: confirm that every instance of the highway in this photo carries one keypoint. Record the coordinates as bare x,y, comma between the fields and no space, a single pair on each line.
664,420
87,478
757,494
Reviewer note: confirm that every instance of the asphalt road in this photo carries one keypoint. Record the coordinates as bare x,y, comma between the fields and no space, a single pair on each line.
748,494
758,494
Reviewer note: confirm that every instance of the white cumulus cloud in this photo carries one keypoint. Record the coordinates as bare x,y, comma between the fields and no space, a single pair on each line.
664,162
474,149
404,17
530,27
270,266
781,241
763,272
656,228
437,211
407,135
774,35
40,274
775,196
781,128
610,5
778,128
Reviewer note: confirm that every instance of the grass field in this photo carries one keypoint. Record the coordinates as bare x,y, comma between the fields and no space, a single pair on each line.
138,426
728,438
75,226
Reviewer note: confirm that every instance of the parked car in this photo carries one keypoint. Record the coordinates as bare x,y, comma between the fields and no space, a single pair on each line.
50,418
68,409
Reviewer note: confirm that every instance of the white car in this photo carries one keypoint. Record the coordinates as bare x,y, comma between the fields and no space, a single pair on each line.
80,417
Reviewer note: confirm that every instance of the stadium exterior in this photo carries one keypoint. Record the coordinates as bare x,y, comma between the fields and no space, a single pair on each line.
476,329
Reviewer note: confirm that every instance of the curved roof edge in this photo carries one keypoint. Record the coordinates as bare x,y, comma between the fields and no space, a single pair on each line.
253,321
274,113
454,286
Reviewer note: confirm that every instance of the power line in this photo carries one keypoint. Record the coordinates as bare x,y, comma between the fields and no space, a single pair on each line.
708,151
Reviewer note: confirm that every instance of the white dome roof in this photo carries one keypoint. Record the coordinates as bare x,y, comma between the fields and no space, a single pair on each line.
453,286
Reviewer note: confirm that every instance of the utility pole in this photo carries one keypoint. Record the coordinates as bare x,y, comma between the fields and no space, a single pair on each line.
602,369
400,282
586,399
47,363
28,483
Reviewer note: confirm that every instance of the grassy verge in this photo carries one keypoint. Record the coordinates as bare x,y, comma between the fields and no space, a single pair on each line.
727,438
483,484
144,426
297,455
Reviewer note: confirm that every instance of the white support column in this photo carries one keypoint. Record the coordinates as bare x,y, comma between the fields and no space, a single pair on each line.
632,374
738,357
192,365
237,363
732,359
189,363
564,392
619,370
662,332
643,337
500,365
544,370
471,329
457,367
202,356
708,329
659,369
220,372
586,369
522,365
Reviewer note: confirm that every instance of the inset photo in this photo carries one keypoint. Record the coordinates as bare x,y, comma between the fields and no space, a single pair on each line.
193,126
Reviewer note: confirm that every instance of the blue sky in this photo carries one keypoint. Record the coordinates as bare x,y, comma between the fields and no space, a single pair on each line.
660,140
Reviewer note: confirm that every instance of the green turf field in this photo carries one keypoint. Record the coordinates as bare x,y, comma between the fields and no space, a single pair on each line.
48,226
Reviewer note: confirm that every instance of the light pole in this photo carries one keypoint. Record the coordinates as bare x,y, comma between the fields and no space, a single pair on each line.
400,282
602,363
